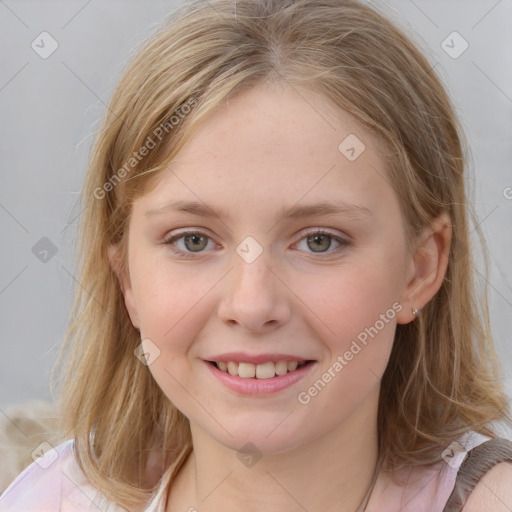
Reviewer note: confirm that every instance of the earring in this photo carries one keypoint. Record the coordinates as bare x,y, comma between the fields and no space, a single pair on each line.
414,312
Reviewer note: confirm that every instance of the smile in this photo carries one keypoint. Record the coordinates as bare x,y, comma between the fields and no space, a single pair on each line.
266,370
259,379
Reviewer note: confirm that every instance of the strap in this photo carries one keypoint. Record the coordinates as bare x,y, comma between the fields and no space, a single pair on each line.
477,462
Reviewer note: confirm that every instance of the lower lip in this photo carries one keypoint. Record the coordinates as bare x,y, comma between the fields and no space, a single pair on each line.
253,386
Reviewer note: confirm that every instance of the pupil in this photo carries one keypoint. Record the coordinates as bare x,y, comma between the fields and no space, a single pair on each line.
195,242
316,238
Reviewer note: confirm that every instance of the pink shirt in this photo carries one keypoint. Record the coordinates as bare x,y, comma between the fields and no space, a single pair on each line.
54,483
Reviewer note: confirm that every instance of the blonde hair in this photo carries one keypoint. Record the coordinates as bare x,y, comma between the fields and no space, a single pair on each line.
443,377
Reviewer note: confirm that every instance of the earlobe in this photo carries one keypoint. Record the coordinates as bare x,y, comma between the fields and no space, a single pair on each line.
125,284
429,262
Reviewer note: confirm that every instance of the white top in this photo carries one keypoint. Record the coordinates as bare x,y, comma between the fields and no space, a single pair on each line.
54,483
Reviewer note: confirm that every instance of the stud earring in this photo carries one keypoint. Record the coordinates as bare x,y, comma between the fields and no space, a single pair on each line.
414,312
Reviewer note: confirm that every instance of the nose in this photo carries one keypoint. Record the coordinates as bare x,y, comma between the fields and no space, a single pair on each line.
254,297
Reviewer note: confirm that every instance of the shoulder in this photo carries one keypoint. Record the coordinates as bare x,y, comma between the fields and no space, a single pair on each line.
493,491
52,482
43,478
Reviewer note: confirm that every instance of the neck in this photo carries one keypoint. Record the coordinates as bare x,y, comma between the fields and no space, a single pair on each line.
329,473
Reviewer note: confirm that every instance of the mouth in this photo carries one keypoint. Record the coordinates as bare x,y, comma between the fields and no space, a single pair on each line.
265,379
263,371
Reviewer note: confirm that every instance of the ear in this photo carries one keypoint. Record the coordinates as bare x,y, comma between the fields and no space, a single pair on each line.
427,267
124,281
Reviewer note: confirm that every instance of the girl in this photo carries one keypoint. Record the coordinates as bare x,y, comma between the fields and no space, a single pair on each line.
276,289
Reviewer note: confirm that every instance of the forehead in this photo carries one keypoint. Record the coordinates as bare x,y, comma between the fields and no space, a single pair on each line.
270,146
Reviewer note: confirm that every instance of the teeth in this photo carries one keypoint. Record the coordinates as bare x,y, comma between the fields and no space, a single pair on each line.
247,370
232,368
260,371
265,370
292,365
281,367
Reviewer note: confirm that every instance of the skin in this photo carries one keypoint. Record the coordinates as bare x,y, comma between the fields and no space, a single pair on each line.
266,149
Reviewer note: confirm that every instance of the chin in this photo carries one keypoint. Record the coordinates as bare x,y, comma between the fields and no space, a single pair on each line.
259,437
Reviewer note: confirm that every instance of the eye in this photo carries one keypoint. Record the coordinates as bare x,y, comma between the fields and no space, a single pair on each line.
319,241
195,242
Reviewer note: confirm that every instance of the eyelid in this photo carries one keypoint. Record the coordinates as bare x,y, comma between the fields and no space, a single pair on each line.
343,240
186,232
304,232
326,231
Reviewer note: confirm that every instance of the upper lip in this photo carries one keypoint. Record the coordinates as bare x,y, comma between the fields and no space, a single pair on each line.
242,357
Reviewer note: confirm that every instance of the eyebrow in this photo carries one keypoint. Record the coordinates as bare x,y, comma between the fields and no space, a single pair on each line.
350,210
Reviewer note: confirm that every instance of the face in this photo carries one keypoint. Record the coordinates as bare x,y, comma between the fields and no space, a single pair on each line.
257,281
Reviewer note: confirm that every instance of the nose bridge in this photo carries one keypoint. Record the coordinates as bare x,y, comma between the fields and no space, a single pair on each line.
253,298
252,270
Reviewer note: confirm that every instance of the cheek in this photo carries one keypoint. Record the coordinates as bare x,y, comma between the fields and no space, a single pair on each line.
171,303
357,315
351,298
356,312
174,309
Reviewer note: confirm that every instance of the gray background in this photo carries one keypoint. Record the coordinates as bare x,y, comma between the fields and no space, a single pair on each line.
50,109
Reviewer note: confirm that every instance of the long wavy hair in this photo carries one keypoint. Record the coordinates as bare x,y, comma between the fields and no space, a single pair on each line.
443,377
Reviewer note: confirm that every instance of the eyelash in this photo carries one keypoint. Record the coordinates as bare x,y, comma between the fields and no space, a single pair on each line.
182,254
